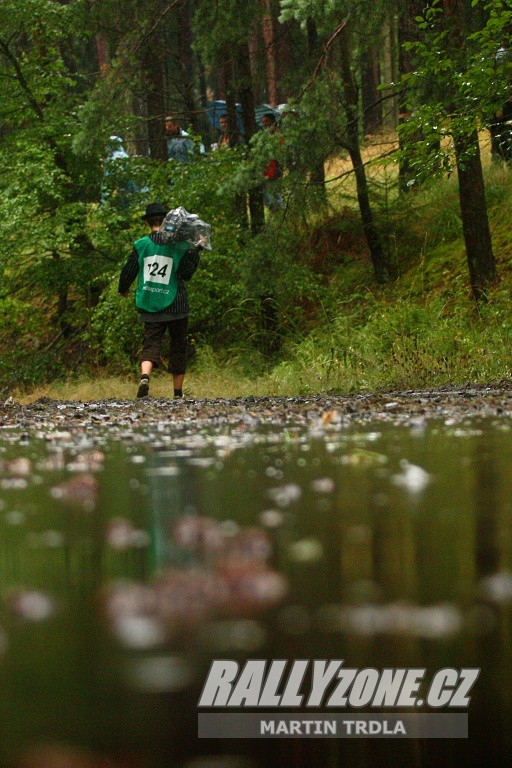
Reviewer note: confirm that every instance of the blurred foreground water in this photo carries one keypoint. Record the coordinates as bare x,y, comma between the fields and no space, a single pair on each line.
128,564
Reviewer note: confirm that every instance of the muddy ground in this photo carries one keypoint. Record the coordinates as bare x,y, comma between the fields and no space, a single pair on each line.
456,404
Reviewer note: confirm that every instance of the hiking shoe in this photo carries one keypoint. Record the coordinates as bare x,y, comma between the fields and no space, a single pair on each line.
143,390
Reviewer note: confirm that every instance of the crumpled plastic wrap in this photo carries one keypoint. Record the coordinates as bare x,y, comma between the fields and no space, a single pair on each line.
181,226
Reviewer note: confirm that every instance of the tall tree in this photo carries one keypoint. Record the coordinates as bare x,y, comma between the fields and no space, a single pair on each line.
348,135
456,40
249,121
317,175
370,95
475,222
351,104
271,61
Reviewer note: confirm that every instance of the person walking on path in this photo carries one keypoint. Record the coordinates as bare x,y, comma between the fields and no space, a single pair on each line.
162,268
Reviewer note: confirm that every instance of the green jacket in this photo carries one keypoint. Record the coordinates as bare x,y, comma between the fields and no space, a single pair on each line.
158,284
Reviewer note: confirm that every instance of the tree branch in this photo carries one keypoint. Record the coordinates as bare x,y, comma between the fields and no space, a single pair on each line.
4,48
323,58
368,162
155,25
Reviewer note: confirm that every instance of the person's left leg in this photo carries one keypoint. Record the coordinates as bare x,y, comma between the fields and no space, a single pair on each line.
150,354
178,353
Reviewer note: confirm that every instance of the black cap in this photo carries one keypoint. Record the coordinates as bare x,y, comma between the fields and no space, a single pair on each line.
154,209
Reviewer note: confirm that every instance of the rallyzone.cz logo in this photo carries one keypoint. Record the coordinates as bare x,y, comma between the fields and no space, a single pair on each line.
327,683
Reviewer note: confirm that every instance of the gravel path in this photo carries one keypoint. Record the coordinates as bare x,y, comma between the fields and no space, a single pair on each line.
451,403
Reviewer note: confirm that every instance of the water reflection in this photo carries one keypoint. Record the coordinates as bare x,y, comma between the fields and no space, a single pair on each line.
127,565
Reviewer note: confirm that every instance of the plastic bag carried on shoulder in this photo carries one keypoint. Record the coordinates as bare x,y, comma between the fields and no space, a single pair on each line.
181,226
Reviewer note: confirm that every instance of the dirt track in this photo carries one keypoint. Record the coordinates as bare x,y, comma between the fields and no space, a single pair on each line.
454,403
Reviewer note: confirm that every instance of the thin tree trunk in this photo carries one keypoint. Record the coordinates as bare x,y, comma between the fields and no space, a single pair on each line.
221,81
187,66
230,98
352,113
462,20
390,117
62,301
284,55
256,209
206,132
155,77
370,95
102,53
317,170
254,57
270,53
475,222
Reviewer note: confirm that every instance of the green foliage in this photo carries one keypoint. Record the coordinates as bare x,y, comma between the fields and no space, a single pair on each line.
460,81
115,332
46,189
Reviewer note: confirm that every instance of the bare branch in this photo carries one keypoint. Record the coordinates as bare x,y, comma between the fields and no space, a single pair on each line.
323,58
373,161
155,25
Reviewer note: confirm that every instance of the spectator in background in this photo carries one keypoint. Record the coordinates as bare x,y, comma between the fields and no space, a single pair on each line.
225,141
117,186
179,145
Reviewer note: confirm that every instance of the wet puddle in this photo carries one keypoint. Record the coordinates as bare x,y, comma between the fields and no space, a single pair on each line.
127,565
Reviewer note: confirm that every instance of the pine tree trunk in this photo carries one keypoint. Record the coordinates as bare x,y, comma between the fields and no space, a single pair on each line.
270,53
255,46
230,98
284,55
370,95
102,53
194,115
475,222
206,132
390,116
352,113
317,169
256,209
62,289
154,71
462,20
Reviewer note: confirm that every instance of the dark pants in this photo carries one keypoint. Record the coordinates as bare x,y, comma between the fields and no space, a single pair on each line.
152,344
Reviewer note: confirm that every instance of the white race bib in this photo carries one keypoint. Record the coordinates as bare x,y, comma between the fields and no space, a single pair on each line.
157,269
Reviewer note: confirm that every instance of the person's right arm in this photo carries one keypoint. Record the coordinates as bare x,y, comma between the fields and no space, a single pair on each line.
128,273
